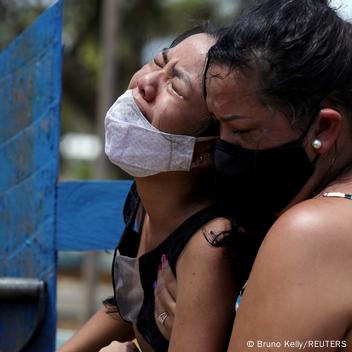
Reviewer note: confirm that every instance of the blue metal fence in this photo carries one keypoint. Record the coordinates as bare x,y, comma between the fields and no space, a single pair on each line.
38,215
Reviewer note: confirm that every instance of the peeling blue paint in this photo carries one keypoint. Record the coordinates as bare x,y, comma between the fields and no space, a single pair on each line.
38,216
30,80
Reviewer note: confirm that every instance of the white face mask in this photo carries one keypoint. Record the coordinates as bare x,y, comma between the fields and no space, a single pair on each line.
139,148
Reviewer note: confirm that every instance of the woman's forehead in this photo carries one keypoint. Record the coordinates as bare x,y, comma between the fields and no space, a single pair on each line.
221,81
194,47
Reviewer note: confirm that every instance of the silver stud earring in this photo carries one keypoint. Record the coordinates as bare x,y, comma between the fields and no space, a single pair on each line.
316,144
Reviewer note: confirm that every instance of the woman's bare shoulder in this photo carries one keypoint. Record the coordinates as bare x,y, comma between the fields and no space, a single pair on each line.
302,271
201,249
318,224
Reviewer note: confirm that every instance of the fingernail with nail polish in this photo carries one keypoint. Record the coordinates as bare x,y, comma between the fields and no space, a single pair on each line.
163,258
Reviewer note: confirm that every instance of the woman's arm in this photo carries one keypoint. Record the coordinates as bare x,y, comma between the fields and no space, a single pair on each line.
102,328
300,287
205,295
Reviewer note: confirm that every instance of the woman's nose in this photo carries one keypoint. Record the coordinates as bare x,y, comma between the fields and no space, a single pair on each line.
148,84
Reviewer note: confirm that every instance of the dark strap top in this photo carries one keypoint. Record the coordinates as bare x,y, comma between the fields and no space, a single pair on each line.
130,237
338,195
148,266
148,263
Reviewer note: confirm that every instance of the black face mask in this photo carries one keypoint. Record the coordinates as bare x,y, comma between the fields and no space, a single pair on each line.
267,179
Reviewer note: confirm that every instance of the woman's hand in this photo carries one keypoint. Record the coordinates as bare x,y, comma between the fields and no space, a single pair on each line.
120,347
165,298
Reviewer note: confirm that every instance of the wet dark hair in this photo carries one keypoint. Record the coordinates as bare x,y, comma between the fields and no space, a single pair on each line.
205,27
298,51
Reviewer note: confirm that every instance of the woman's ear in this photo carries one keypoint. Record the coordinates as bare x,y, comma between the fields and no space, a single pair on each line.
326,130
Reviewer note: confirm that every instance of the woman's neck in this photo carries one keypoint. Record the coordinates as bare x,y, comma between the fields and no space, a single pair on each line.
170,198
325,178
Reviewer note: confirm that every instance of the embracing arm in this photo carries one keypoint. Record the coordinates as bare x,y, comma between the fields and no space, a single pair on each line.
99,331
205,296
165,298
300,287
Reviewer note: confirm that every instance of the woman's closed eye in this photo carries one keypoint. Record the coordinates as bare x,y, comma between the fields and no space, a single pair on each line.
158,62
177,84
161,59
174,89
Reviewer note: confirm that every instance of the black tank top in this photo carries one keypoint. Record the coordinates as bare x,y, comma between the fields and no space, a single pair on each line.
244,246
172,246
130,237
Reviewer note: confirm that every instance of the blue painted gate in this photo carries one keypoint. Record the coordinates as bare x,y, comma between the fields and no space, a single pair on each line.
38,215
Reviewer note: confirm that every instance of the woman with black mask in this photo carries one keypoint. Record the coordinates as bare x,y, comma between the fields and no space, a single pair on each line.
279,81
286,140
